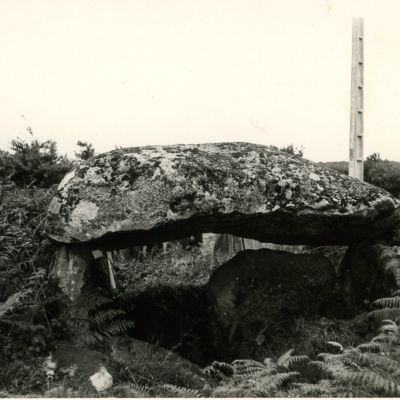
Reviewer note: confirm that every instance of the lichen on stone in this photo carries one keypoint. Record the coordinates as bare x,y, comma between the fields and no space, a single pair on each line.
71,269
145,188
83,213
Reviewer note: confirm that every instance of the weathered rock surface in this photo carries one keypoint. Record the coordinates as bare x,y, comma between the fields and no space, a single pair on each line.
151,194
370,272
259,289
72,277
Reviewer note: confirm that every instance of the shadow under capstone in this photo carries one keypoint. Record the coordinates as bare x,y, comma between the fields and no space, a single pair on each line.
251,307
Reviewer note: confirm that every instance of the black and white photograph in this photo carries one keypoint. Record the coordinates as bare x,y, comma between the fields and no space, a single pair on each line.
199,199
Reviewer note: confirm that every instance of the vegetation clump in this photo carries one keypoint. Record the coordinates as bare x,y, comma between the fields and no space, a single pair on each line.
382,173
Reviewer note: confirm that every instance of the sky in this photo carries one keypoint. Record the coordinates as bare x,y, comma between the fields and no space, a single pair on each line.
142,72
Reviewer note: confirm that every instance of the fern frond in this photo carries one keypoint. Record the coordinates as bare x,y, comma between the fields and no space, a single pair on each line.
228,392
298,360
90,340
385,313
248,367
178,391
371,347
273,382
133,390
379,361
321,367
390,302
96,300
348,354
384,338
283,360
246,362
250,371
213,372
389,327
388,321
310,390
102,317
336,345
372,381
117,327
225,368
268,362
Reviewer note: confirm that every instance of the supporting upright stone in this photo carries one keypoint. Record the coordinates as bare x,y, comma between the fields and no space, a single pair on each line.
356,167
72,273
256,289
370,271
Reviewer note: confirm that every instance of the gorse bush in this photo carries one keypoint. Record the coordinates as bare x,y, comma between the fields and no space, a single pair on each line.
33,163
36,163
86,150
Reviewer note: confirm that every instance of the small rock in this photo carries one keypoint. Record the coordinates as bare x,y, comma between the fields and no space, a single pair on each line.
101,380
50,366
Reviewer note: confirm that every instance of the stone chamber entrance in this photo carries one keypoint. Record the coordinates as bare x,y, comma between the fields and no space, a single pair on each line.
220,297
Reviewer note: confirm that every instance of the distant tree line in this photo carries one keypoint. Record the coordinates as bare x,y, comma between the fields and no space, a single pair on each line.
382,173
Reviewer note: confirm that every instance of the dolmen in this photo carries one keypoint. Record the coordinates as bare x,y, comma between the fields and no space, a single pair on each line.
153,194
